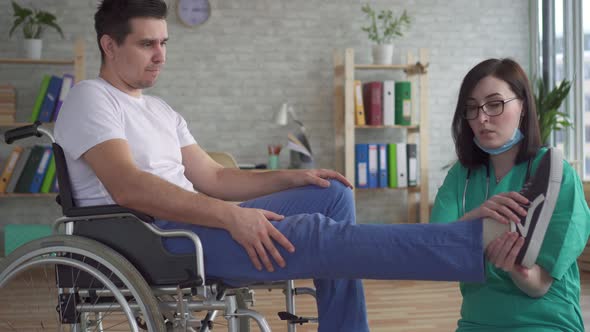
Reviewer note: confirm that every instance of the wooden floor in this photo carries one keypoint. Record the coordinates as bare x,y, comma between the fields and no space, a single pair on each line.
413,306
409,306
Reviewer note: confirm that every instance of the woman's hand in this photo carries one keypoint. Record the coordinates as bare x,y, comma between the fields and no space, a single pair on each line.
502,252
503,208
534,281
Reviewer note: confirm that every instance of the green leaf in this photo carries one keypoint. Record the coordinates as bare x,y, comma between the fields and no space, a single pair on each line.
20,11
16,23
29,30
388,27
548,104
34,21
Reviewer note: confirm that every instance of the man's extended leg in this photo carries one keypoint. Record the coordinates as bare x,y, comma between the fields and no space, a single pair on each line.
328,249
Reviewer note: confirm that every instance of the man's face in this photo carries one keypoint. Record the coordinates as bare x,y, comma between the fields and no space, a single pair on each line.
138,60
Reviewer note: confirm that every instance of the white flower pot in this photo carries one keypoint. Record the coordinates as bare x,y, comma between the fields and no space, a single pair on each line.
32,48
383,54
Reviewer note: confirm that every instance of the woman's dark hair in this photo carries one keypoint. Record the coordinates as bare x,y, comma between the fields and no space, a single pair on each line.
113,16
512,73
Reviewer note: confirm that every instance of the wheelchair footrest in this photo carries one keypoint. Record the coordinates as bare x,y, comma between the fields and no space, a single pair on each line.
292,319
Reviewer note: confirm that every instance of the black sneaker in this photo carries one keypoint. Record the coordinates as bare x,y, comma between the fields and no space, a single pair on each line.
541,190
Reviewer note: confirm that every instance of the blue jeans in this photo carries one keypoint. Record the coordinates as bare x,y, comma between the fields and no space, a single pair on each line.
336,252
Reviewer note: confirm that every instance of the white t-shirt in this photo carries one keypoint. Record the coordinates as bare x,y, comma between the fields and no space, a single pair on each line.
95,111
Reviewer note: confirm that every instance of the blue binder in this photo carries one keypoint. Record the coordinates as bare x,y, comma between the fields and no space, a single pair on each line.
362,165
373,166
41,170
50,101
383,176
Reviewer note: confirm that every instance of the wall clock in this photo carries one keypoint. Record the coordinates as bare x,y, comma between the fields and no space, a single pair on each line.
193,12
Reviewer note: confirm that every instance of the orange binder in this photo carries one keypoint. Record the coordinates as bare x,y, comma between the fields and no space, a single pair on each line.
359,108
10,163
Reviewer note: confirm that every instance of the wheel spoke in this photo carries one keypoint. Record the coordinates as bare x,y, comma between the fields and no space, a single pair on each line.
49,286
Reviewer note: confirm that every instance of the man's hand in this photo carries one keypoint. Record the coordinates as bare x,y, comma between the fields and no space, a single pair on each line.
251,229
318,177
501,208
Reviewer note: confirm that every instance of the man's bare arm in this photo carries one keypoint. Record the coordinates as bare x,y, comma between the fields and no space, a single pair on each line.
136,189
238,185
133,188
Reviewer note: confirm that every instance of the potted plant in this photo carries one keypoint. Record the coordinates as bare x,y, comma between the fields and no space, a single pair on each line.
33,22
384,32
548,103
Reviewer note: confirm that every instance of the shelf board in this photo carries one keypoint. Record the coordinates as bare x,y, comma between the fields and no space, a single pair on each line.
37,61
27,195
411,127
367,66
414,189
20,124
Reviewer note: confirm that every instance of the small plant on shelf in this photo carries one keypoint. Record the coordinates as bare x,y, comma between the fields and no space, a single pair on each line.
383,28
390,27
33,22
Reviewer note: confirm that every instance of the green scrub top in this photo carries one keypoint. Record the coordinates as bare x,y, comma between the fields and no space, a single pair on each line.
498,304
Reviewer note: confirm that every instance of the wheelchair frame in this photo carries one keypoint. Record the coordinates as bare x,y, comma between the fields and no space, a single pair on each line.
166,292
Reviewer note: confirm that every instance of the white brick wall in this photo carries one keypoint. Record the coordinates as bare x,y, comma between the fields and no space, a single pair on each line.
229,76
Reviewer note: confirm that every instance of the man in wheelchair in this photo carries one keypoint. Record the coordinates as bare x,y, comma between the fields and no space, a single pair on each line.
127,148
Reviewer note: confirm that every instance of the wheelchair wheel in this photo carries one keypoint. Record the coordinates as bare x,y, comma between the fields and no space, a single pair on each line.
71,283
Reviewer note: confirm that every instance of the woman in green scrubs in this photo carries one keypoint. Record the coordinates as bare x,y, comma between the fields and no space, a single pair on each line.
498,145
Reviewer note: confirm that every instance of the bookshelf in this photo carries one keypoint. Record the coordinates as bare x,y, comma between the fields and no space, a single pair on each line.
16,195
20,61
77,63
345,129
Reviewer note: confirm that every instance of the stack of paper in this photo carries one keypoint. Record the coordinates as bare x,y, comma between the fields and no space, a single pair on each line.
300,144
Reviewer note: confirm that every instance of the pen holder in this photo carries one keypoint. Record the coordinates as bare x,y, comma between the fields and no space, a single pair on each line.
273,156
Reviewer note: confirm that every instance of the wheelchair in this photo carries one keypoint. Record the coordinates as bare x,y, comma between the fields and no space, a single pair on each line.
111,271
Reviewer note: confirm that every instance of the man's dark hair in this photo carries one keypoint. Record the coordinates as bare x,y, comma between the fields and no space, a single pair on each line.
512,73
113,16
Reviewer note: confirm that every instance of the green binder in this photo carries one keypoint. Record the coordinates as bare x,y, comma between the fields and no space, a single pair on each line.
24,182
392,165
49,175
403,103
40,98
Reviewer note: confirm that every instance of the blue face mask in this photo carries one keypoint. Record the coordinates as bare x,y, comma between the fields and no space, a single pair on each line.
516,138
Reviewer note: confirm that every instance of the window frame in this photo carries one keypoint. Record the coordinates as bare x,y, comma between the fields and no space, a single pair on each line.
573,62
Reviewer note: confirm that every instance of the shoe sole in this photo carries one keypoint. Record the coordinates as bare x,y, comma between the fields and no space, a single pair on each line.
532,251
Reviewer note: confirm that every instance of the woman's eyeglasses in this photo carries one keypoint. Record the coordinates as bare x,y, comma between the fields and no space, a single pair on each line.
491,108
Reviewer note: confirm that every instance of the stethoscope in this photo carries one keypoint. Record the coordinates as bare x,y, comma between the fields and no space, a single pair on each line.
528,173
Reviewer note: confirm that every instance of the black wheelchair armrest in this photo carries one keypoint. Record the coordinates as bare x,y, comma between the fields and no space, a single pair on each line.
87,211
146,252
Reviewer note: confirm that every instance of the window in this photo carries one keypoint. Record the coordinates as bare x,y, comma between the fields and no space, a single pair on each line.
559,137
559,74
568,58
585,56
